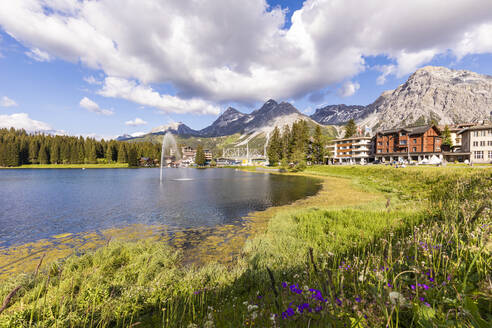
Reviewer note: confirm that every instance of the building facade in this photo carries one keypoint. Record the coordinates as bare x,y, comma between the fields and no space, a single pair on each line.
477,141
408,144
355,150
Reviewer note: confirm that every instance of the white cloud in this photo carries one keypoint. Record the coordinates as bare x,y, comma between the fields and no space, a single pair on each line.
91,106
38,55
7,102
23,121
348,89
138,134
145,95
222,50
91,80
136,122
385,71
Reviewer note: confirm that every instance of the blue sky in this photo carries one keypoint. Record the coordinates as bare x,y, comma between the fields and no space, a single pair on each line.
47,80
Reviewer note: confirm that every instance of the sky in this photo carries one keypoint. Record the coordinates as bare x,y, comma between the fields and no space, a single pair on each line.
111,67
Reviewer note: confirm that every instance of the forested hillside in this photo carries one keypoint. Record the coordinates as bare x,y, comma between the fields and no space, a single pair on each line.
17,147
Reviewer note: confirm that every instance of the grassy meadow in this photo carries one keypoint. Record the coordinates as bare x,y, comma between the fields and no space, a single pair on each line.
377,247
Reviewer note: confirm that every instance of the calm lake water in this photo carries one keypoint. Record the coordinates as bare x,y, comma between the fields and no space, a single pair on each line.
37,204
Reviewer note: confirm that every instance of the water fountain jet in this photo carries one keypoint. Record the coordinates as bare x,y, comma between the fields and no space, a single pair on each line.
168,143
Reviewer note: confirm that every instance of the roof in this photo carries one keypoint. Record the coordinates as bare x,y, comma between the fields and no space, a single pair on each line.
476,127
411,130
353,138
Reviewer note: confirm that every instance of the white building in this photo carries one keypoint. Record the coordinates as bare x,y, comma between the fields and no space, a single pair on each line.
355,150
477,140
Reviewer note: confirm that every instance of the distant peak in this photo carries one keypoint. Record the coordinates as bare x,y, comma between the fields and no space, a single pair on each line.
231,110
271,102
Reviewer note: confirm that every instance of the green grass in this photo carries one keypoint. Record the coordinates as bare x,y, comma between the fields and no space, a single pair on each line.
420,256
72,166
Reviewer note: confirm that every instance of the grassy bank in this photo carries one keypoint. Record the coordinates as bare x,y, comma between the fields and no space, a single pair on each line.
69,166
398,247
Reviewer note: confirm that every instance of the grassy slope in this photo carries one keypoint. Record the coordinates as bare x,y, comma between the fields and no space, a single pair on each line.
381,233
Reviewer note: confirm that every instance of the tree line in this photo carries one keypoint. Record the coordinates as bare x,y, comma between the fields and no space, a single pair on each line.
17,147
295,146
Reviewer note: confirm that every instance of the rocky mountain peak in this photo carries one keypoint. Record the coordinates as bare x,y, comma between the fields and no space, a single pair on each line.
431,93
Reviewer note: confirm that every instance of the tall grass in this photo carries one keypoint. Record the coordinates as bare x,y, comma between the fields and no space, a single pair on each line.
421,259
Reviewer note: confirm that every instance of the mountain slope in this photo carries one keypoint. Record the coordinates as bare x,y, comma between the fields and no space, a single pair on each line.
339,114
432,93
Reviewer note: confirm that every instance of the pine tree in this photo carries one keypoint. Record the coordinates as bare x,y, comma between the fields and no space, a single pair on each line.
200,156
446,138
132,157
33,151
122,154
318,146
92,155
274,148
350,129
44,156
55,152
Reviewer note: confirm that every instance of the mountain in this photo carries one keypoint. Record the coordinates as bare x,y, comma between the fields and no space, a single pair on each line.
251,126
230,122
176,128
339,114
441,94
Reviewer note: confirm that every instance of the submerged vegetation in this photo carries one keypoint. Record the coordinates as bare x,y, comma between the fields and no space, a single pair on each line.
417,253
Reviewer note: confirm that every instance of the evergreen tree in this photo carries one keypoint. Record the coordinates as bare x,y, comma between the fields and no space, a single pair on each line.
286,145
92,155
55,157
33,151
318,146
200,156
44,156
350,129
446,138
122,154
132,157
274,148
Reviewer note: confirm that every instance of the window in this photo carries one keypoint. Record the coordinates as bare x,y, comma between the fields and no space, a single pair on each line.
489,143
380,150
414,149
490,154
438,148
380,143
475,133
490,132
414,141
475,144
478,154
482,143
403,142
403,133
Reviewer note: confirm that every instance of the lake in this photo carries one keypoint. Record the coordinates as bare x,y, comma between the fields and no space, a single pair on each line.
38,204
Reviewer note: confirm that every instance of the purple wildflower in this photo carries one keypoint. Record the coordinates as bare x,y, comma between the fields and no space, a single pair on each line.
284,284
357,299
412,286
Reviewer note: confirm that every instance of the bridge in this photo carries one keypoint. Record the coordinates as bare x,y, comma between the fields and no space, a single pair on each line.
244,153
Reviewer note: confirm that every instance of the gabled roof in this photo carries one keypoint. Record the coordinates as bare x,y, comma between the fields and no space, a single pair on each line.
477,127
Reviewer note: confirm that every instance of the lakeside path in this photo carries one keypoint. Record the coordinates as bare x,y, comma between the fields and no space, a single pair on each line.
200,245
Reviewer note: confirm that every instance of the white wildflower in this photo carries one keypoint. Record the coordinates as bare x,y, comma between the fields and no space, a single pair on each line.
397,298
252,307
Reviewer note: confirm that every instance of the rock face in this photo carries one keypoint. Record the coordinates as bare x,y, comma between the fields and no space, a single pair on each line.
339,114
432,93
230,122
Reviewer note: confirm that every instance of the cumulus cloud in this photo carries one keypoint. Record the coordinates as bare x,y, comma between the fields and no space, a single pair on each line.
135,122
7,102
92,80
23,121
38,55
348,89
91,106
145,95
221,50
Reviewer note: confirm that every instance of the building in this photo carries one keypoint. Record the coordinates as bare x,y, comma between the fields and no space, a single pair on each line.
421,143
455,152
208,155
355,150
476,141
